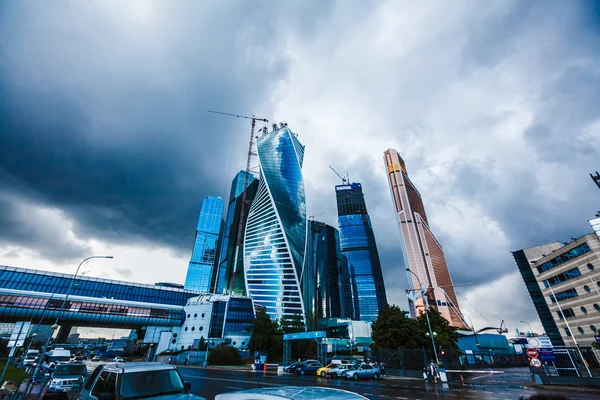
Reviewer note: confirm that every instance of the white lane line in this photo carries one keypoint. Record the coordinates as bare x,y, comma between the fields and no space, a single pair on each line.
402,398
232,380
233,387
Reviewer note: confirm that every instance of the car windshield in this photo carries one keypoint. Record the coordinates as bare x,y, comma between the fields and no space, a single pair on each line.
68,370
151,383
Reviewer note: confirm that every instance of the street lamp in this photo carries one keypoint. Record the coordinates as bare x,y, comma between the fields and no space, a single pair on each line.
55,325
530,328
426,314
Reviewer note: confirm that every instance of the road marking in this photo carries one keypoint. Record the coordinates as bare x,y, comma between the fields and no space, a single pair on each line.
402,398
233,387
232,380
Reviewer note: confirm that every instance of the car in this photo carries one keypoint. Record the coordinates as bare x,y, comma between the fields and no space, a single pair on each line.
308,367
363,371
291,392
95,358
136,380
118,359
77,359
292,367
337,370
322,372
30,361
66,377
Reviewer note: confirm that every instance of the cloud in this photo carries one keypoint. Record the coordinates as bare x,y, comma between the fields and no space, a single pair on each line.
104,133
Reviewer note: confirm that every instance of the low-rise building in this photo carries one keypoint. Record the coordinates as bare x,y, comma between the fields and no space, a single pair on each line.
564,284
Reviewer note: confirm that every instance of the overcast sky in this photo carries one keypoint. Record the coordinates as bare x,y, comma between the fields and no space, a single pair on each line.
106,145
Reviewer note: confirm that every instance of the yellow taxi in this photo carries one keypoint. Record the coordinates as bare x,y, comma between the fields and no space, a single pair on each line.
322,372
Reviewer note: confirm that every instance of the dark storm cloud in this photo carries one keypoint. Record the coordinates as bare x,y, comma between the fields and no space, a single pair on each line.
103,112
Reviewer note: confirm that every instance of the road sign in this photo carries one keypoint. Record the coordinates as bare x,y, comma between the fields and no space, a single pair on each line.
546,354
305,335
533,342
536,362
544,341
532,353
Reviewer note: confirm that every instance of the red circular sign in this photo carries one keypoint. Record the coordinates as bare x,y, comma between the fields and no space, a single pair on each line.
532,353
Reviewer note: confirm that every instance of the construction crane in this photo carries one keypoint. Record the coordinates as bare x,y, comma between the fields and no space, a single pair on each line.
238,239
344,180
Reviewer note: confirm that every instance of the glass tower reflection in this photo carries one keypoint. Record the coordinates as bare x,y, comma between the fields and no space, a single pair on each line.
202,263
363,291
275,237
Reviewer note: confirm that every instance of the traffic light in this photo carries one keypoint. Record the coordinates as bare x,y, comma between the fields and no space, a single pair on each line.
442,351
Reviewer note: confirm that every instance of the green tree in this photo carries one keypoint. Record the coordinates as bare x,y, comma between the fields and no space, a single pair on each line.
265,333
224,355
393,329
447,335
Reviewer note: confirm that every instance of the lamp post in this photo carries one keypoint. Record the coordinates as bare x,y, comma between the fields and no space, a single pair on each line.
426,313
208,342
530,328
55,326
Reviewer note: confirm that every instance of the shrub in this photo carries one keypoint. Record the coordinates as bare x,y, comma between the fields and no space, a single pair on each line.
224,355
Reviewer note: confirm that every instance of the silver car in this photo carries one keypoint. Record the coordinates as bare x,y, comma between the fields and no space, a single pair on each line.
338,369
363,371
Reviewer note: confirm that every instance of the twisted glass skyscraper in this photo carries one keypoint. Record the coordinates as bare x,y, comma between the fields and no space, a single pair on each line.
204,254
275,237
363,291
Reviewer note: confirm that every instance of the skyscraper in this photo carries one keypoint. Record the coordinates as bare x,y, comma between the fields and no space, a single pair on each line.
227,259
275,237
321,276
423,254
204,254
363,291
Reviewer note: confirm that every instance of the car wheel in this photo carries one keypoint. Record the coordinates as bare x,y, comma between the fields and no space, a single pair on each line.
302,372
375,376
355,377
334,375
323,374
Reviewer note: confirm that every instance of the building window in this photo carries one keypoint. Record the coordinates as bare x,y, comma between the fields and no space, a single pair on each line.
590,267
203,315
193,328
568,313
195,315
563,258
567,294
567,331
593,328
587,288
186,328
597,307
580,329
583,310
188,315
201,328
560,278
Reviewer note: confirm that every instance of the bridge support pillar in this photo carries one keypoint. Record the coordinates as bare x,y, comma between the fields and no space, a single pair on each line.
63,333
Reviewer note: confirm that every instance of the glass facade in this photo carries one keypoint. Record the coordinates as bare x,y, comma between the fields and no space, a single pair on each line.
564,295
537,297
225,282
321,276
204,255
51,282
563,258
423,254
275,237
360,262
240,317
21,306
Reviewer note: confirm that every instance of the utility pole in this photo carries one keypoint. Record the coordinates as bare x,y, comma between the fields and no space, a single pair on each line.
238,239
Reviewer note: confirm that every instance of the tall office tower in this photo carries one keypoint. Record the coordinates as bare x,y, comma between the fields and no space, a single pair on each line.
320,279
226,266
275,237
423,254
204,254
596,178
363,291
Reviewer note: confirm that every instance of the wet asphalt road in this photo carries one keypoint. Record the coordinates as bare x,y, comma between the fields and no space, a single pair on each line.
209,383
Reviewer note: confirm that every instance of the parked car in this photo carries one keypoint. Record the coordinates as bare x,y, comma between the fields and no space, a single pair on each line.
136,380
337,370
78,359
95,358
363,371
30,361
118,359
66,377
291,392
292,367
322,372
309,368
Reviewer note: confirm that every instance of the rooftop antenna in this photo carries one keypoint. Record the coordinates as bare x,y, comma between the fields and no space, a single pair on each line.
238,239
